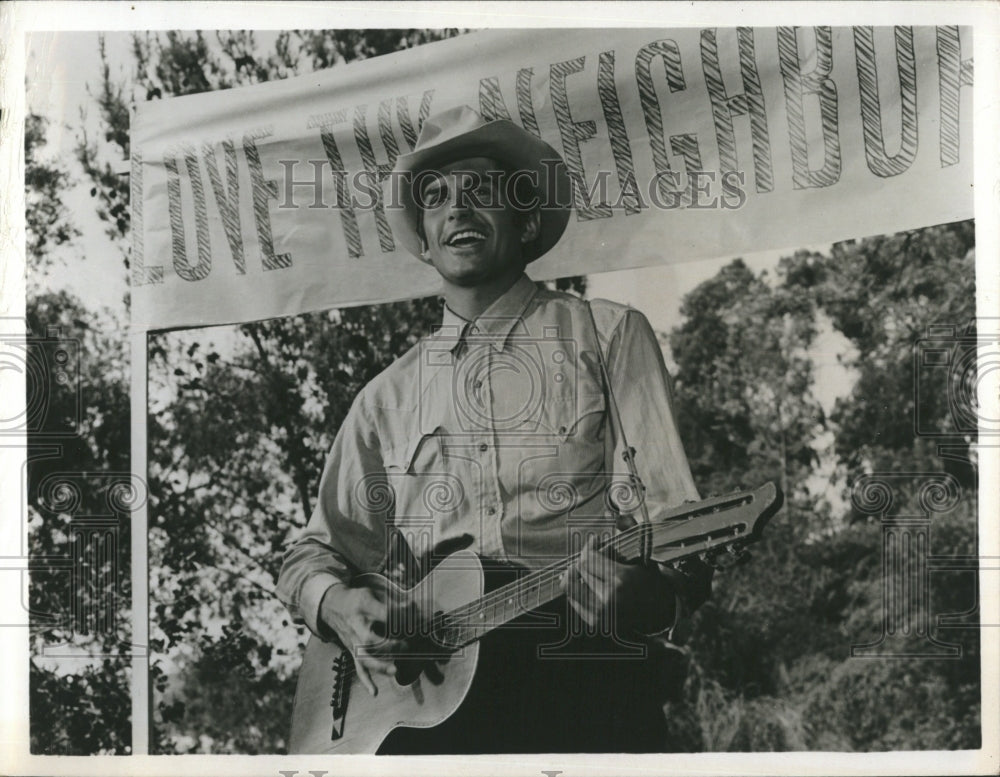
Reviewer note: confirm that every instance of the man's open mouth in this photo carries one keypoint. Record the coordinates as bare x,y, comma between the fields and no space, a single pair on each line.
465,238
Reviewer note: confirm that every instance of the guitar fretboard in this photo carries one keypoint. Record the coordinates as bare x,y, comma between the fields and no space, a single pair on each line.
672,540
467,624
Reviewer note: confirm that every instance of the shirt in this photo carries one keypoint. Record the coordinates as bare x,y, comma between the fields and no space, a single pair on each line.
497,432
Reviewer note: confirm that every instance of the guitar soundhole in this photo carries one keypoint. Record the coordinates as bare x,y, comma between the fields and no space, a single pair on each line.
408,670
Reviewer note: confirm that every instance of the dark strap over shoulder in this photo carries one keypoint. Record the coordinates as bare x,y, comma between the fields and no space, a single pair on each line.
628,454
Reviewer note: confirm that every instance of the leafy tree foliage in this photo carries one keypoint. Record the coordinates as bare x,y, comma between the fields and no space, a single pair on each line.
79,686
47,222
238,433
77,456
241,417
771,665
884,294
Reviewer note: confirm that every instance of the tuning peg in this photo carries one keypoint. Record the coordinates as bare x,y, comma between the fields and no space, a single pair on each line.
734,556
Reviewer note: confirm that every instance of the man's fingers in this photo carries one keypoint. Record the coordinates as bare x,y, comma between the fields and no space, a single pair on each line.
593,576
597,567
375,662
625,521
581,610
364,677
580,596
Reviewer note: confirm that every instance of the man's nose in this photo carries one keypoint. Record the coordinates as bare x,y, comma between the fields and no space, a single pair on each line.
460,202
462,197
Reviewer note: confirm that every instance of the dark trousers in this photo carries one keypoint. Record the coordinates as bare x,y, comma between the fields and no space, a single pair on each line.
591,694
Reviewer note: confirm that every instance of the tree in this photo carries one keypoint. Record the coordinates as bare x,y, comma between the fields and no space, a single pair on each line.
770,652
79,491
884,294
747,415
238,437
47,222
77,428
743,380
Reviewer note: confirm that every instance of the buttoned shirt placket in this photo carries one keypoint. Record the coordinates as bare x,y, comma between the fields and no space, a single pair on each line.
493,513
488,497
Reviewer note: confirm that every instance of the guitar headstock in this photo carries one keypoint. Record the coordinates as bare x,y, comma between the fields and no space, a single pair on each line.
714,526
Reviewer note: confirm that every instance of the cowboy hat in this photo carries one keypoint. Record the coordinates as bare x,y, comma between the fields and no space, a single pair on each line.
461,133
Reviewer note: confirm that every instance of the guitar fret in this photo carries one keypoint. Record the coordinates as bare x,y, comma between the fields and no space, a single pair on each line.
494,609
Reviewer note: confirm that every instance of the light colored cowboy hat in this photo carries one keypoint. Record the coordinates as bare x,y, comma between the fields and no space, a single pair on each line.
461,133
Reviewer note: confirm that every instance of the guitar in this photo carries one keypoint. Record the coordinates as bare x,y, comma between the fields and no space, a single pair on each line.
449,613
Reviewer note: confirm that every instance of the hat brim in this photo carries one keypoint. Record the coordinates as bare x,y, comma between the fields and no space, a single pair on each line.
510,145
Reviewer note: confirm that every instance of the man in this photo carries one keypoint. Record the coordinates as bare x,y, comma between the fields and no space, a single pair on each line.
499,433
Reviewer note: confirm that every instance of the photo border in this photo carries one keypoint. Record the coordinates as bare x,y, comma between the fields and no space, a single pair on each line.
19,18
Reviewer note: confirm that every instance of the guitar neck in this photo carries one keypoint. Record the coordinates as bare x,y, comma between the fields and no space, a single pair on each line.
692,529
473,621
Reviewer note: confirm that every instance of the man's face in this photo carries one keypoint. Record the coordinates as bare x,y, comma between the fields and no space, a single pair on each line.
474,235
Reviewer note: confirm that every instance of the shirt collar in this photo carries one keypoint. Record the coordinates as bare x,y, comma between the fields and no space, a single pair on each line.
495,324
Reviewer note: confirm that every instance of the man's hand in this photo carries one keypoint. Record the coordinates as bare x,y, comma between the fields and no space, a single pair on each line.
637,597
359,615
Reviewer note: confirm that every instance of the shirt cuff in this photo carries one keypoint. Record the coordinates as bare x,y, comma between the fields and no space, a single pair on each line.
313,591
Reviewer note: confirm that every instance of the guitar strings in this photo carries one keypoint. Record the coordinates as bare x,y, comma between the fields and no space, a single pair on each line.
463,617
545,576
628,542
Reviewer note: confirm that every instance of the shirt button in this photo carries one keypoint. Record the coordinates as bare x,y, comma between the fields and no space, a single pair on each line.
477,384
562,430
483,446
491,511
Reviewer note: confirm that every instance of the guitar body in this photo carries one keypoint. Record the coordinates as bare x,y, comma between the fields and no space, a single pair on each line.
333,713
433,696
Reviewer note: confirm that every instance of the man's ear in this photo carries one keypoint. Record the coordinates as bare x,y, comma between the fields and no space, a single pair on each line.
425,251
532,226
425,254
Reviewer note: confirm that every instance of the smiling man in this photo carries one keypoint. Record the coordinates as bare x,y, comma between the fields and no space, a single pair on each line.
501,433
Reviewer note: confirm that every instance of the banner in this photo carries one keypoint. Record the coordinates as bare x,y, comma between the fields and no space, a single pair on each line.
682,144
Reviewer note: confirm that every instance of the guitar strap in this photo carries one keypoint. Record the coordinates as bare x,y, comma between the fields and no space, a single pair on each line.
628,452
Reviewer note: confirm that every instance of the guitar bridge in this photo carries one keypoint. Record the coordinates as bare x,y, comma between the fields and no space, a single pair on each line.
341,690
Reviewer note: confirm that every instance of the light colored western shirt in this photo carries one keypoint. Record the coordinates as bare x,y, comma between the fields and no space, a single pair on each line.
499,430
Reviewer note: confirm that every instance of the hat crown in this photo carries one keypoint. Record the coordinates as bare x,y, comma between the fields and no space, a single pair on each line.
448,124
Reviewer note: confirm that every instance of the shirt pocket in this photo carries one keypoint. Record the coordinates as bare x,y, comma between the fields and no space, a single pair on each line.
400,458
424,487
575,420
574,472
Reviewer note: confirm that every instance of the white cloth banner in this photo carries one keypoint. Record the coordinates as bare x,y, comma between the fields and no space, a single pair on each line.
682,144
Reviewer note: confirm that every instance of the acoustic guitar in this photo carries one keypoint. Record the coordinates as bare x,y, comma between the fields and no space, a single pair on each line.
446,613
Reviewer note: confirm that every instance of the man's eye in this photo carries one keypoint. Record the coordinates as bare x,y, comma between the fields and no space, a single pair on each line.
433,198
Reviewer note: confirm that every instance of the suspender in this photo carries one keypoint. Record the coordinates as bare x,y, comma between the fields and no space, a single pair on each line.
628,455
